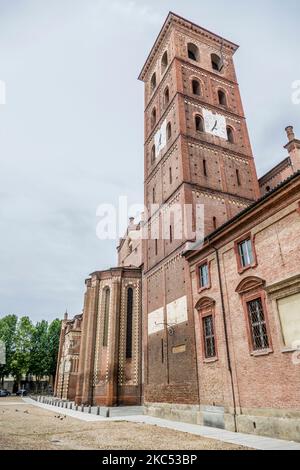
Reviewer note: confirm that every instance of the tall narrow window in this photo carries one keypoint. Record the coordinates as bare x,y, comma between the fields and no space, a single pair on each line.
246,253
156,247
153,82
216,62
171,234
169,131
199,123
106,316
230,135
193,52
258,325
203,276
164,61
153,117
170,176
196,89
222,98
129,323
153,195
153,154
204,168
209,337
214,223
166,96
162,350
238,179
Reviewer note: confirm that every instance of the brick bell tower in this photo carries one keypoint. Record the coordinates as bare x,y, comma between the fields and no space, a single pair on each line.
197,151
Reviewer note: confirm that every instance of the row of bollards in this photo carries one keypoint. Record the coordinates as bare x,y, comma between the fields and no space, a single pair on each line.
66,404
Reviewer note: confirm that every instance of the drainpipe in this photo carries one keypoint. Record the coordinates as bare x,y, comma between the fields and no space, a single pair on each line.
226,336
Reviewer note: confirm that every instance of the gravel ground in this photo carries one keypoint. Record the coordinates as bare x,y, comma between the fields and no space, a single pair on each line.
28,427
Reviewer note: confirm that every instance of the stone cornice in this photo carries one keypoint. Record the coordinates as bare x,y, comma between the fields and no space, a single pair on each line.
274,171
286,193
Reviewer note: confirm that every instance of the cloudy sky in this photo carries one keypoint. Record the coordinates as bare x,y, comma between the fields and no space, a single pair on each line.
71,131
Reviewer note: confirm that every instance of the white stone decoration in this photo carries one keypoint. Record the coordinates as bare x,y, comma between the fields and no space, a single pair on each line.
156,321
177,311
160,139
215,124
67,365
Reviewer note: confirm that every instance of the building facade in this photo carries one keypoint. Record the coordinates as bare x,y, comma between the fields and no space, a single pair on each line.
68,358
205,332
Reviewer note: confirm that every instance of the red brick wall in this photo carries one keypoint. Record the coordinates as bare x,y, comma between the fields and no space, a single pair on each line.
267,381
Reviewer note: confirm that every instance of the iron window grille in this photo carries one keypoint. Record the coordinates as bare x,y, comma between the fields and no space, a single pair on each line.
209,337
258,325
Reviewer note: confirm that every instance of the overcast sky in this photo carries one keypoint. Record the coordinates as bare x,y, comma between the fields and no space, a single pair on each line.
71,131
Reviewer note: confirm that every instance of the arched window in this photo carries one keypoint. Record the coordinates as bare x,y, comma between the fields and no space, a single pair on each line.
153,117
153,195
193,52
153,81
169,131
129,323
230,135
166,96
204,168
199,123
196,88
153,154
106,316
222,98
164,61
216,62
206,309
238,178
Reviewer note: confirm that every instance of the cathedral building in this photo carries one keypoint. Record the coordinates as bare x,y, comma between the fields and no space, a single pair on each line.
205,331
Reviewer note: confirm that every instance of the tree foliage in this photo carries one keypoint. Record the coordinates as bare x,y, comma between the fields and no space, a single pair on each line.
53,345
30,349
8,326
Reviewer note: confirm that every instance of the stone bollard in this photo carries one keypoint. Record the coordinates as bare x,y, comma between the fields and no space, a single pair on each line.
71,406
66,404
82,408
98,410
76,408
90,409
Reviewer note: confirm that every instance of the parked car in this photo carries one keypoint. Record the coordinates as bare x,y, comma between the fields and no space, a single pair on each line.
4,393
21,392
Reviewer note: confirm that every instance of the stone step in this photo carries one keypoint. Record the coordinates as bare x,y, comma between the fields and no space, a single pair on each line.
112,412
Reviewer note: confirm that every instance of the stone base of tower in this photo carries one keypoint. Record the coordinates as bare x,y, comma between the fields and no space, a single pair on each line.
173,412
279,424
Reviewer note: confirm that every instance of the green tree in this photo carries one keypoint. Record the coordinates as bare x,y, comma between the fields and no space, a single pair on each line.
7,335
21,358
53,346
39,352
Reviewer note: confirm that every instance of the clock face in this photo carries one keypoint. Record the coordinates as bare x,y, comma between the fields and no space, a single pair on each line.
160,138
215,124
